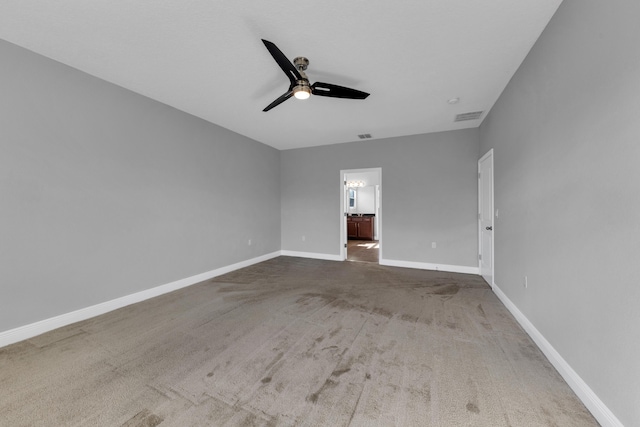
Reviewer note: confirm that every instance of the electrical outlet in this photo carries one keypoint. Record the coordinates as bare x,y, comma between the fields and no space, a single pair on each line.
433,245
526,282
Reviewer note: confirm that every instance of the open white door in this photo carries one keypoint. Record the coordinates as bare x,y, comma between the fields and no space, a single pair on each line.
344,207
485,216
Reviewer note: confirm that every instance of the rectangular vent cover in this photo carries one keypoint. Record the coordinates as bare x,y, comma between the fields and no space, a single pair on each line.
365,136
475,115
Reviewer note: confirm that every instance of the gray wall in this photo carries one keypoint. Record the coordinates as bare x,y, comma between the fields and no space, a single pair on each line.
429,193
566,134
105,193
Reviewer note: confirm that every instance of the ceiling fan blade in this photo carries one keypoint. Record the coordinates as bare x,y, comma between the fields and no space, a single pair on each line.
335,91
279,101
286,65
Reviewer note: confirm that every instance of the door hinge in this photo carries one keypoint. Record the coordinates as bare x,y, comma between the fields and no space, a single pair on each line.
345,245
480,256
479,215
478,175
345,214
345,183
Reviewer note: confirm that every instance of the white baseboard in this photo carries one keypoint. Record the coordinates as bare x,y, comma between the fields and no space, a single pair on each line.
599,410
314,255
390,262
429,266
29,331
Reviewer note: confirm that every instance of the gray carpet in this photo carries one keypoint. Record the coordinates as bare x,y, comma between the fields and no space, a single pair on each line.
294,342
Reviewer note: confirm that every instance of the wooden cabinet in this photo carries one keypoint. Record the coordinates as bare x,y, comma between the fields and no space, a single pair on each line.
360,227
352,229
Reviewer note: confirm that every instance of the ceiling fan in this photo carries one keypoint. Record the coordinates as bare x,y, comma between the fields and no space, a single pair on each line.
300,87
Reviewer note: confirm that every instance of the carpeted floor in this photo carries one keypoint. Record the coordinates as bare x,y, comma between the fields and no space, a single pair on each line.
294,342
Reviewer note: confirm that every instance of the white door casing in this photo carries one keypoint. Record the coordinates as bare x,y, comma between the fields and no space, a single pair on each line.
485,217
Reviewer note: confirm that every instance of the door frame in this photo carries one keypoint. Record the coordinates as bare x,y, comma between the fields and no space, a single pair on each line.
488,154
343,209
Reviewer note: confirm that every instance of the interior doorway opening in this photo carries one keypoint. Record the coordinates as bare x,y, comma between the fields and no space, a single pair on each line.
361,215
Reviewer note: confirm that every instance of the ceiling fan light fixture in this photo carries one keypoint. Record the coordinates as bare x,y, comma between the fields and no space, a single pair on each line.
302,91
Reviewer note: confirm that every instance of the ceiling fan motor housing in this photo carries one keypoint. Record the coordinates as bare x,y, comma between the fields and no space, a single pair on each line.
302,89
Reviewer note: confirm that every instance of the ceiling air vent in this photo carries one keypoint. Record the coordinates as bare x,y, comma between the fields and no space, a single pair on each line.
365,136
475,115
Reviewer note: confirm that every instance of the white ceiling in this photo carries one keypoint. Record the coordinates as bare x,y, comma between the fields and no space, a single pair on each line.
206,58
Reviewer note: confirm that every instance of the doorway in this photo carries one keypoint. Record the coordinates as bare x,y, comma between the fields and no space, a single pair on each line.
361,215
485,217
